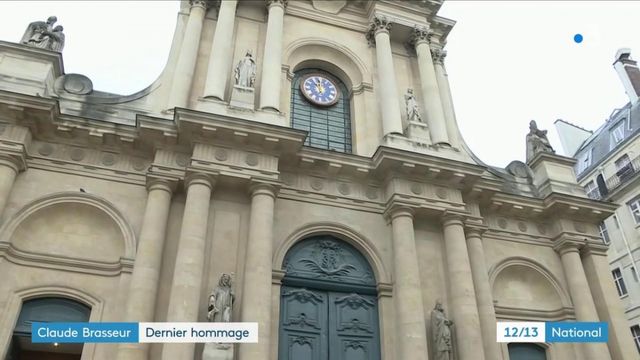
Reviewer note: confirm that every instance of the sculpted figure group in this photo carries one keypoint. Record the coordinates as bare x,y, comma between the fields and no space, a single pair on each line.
43,35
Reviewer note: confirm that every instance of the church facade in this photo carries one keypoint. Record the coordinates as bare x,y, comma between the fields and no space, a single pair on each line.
309,150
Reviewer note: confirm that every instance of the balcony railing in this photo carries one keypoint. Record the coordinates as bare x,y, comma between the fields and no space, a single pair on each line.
622,176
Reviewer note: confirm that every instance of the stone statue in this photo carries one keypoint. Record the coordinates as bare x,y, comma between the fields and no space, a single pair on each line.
537,141
413,111
441,333
43,35
221,301
245,73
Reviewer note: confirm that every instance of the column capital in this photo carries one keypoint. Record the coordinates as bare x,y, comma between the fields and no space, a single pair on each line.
438,55
281,3
597,249
262,188
205,4
449,219
420,35
395,211
379,23
160,183
567,246
199,178
15,162
474,231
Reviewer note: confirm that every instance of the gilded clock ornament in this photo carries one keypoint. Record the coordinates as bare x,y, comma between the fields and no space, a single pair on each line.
319,90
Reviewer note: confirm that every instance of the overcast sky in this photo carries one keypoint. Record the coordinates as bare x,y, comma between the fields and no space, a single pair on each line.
508,62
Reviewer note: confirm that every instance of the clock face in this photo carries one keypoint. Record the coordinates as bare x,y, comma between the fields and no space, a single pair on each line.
319,90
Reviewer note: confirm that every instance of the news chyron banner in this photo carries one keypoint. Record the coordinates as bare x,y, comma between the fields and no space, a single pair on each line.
124,332
563,331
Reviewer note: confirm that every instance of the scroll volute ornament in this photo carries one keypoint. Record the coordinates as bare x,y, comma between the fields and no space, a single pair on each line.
379,23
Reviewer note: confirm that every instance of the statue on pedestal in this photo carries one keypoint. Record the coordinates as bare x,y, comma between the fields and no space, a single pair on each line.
441,333
43,35
219,309
221,301
413,111
537,141
245,73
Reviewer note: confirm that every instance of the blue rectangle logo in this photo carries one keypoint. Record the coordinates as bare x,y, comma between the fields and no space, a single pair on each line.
84,332
576,332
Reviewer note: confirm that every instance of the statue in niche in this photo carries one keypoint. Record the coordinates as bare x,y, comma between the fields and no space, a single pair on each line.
413,111
537,141
245,73
43,35
441,333
221,301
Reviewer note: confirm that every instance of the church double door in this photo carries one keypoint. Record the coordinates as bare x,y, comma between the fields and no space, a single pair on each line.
327,325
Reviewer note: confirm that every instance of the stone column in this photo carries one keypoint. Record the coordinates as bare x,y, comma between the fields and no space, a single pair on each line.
9,168
378,35
429,86
186,64
187,274
608,305
484,297
442,79
464,309
583,305
256,294
143,288
272,63
221,51
411,337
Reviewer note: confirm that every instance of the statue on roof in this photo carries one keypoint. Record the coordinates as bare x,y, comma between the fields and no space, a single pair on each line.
537,141
43,35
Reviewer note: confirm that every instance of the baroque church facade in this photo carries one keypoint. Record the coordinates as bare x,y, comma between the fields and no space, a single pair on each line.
310,150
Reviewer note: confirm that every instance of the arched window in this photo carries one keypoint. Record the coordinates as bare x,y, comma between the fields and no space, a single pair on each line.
526,351
46,310
320,105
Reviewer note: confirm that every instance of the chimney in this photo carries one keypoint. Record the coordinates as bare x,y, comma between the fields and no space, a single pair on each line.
629,74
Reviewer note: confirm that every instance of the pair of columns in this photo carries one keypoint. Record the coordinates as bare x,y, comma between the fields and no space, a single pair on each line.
188,272
220,60
430,82
472,311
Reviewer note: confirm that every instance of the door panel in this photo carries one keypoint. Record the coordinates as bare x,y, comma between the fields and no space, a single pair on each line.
353,327
320,325
303,319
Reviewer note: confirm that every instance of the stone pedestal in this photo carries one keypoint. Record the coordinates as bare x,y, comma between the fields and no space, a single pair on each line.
215,351
418,131
242,97
554,173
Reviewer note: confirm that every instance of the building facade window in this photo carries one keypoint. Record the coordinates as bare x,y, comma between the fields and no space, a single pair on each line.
604,233
619,280
617,134
328,123
624,167
634,207
635,331
592,190
584,161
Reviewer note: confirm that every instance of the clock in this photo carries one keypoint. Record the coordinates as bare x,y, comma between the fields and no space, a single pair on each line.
319,90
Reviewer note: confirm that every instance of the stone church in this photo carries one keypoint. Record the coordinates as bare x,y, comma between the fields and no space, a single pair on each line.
309,149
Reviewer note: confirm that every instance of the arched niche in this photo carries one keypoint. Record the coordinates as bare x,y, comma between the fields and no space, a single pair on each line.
524,284
71,225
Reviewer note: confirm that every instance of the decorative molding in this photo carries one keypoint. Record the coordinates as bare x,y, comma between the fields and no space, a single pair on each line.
438,56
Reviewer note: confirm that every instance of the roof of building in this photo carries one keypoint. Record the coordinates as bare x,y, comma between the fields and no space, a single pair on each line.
600,141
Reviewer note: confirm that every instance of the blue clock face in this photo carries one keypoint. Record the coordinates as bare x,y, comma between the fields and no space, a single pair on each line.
319,90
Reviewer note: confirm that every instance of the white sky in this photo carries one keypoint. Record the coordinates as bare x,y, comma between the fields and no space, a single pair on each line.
508,62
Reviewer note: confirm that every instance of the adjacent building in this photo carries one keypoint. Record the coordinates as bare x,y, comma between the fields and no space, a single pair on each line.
608,163
309,150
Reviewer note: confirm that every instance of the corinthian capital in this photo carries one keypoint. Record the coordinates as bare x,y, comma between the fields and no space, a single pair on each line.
420,34
438,55
378,24
282,3
203,3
